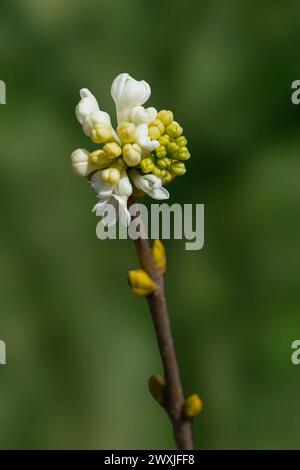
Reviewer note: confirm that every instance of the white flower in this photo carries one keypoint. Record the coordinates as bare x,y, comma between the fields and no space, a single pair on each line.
150,184
127,93
116,196
89,114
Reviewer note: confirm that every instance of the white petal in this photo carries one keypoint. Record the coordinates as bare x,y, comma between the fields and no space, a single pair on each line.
124,187
150,184
102,189
94,118
124,213
160,193
143,140
140,115
118,85
86,105
112,213
128,93
99,207
152,113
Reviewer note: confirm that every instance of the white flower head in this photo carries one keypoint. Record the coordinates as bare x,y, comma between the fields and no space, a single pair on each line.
147,142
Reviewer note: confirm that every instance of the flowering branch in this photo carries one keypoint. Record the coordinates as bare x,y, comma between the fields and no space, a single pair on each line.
146,151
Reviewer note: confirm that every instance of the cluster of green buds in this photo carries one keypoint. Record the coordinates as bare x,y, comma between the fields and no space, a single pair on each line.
166,161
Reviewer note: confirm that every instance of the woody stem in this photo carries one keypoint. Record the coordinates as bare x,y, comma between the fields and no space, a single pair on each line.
182,427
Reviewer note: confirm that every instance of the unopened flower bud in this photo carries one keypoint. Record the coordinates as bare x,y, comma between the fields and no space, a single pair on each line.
112,150
166,117
174,130
101,133
159,255
168,177
111,176
161,151
172,148
181,141
81,163
159,172
147,165
159,124
192,407
141,283
183,153
99,159
132,154
157,388
162,163
178,168
164,140
154,132
127,132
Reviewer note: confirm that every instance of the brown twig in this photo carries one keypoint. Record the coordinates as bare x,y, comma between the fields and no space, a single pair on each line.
182,427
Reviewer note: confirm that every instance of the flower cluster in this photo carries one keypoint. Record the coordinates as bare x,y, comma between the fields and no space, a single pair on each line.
146,151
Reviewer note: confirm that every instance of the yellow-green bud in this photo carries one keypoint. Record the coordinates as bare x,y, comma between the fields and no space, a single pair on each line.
100,159
174,130
178,168
132,154
163,163
147,165
127,132
183,153
111,176
159,255
141,283
168,162
101,134
192,407
181,141
172,148
157,388
166,117
164,139
161,151
119,164
159,124
112,150
154,132
168,177
159,172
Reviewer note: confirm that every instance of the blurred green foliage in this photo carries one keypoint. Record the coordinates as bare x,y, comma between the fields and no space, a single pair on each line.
80,347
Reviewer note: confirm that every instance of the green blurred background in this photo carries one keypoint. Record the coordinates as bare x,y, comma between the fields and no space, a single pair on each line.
80,347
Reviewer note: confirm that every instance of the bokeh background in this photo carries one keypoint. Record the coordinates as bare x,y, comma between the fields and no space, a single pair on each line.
80,347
